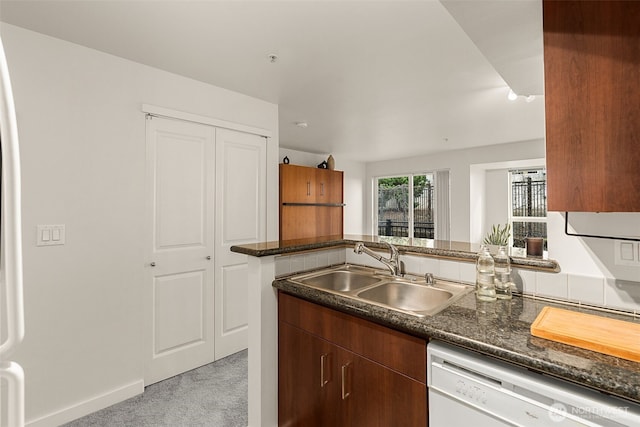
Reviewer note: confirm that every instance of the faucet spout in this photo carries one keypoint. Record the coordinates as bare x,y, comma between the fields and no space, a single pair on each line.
392,263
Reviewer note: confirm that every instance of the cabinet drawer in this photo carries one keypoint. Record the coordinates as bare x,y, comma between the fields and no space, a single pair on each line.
401,352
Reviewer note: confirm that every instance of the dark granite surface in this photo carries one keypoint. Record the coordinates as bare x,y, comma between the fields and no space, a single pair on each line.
500,329
457,251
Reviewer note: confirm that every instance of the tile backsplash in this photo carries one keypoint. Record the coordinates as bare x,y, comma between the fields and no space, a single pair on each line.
287,264
589,290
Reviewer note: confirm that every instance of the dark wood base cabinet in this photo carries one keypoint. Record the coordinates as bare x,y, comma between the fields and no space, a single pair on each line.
340,370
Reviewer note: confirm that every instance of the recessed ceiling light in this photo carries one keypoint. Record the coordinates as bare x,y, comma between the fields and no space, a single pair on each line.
512,95
303,125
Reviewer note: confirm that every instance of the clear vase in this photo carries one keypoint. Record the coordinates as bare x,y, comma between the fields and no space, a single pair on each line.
502,274
485,276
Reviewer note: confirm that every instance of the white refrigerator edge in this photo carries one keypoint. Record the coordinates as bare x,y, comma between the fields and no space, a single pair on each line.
12,310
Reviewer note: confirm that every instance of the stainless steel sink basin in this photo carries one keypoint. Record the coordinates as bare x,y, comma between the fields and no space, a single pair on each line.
408,294
405,296
342,281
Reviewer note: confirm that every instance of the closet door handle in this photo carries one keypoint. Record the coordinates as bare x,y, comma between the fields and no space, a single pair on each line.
323,370
308,188
345,377
322,188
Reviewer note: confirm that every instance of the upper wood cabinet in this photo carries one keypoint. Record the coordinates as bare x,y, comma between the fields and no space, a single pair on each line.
592,105
297,184
310,202
302,184
328,186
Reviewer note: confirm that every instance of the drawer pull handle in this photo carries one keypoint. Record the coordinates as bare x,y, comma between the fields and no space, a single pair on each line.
323,360
345,377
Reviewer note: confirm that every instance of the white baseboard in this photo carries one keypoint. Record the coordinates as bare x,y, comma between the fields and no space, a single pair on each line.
88,406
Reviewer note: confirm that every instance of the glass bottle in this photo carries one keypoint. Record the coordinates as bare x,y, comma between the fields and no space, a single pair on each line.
503,274
485,276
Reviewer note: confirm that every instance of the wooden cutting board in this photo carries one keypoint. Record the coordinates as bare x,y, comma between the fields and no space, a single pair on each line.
609,336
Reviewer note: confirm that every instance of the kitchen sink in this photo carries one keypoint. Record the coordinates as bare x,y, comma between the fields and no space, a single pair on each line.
341,280
408,294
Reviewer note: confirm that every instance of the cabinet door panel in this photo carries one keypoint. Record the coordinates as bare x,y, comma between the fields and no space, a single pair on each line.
297,184
298,222
591,53
336,187
381,397
328,221
307,383
328,186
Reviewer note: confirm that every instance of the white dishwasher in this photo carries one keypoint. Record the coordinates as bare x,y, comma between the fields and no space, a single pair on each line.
468,388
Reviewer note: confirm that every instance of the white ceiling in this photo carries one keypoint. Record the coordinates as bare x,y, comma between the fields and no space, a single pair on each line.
374,80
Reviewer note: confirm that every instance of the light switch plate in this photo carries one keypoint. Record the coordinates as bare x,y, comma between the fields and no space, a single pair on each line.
627,253
50,235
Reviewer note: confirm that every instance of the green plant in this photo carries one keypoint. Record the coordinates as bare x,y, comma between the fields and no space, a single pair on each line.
498,235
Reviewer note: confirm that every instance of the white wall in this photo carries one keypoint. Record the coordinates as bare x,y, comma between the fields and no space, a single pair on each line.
354,184
354,190
477,203
496,199
82,141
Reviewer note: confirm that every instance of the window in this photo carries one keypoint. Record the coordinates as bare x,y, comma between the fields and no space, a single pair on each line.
406,206
528,210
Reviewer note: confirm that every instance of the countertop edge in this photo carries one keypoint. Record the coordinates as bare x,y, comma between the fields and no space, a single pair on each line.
275,248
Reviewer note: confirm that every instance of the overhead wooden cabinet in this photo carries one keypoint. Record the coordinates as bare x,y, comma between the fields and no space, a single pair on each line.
339,370
297,184
311,202
592,105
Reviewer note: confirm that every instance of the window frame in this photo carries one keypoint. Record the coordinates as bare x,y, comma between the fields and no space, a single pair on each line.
513,218
410,216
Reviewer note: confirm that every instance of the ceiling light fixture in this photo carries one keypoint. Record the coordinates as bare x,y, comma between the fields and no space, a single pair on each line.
512,95
302,125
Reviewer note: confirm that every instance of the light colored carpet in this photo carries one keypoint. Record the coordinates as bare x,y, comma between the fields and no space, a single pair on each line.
213,395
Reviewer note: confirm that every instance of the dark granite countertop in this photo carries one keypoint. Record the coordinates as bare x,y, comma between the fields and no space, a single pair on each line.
500,329
458,251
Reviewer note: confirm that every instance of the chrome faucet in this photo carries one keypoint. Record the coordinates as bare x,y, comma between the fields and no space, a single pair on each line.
391,263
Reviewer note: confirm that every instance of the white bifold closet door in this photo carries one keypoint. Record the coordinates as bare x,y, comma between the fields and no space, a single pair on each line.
179,286
206,191
240,219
